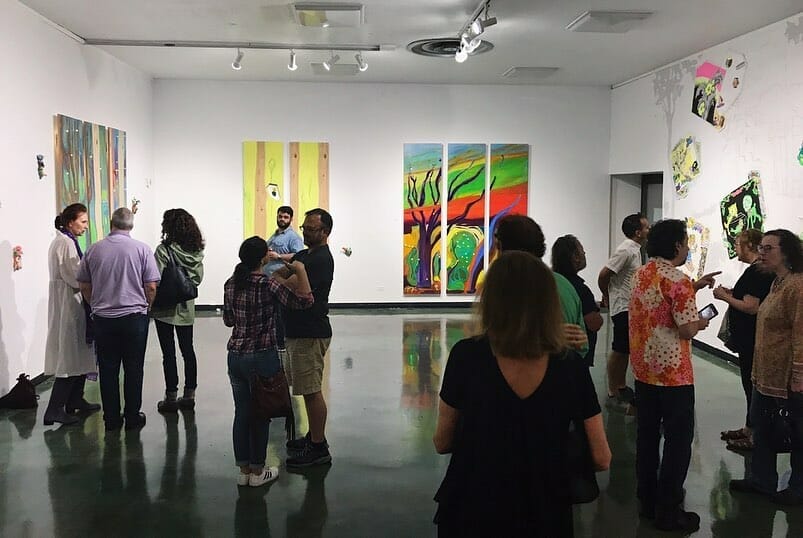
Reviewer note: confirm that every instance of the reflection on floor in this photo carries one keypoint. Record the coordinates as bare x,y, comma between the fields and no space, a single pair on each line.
177,476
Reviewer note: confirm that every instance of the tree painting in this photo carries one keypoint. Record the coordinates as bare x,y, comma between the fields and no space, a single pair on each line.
465,238
423,169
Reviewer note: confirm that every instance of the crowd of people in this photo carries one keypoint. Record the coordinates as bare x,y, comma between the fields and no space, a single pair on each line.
513,390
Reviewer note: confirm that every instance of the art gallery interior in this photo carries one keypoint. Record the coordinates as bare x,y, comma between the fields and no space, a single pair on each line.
679,109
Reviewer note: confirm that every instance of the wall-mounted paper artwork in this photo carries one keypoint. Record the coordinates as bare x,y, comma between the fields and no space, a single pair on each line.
90,168
309,177
263,186
742,210
685,158
421,235
800,155
717,88
465,217
699,238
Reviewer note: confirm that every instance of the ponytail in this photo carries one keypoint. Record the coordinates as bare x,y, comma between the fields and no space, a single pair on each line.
252,252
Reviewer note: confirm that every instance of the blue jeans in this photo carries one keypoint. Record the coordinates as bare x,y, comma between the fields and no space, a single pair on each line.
121,341
764,471
250,436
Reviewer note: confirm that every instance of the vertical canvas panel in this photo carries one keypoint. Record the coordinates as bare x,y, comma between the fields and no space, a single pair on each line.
465,216
309,177
699,237
263,186
508,185
421,235
90,168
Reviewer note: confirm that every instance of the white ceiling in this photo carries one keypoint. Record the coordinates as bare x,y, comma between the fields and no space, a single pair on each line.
529,33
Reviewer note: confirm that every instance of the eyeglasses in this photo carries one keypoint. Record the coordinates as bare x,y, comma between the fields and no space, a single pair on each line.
310,228
765,248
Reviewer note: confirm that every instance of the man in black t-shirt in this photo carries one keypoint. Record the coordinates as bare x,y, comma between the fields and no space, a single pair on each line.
308,334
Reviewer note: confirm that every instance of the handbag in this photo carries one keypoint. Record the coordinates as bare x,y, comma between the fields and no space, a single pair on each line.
724,333
21,396
270,398
175,286
582,476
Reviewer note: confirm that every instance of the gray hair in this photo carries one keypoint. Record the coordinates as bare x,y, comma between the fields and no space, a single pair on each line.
123,219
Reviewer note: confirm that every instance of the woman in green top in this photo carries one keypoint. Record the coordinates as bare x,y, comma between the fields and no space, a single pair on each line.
181,235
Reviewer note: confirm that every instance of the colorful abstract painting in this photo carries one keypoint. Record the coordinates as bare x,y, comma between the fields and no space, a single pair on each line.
309,177
423,178
699,238
465,217
263,186
509,173
717,88
742,210
90,168
685,158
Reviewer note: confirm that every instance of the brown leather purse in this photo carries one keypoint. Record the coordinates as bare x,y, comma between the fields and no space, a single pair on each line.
270,398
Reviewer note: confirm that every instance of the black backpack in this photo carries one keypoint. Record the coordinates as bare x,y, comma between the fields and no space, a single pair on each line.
21,396
175,286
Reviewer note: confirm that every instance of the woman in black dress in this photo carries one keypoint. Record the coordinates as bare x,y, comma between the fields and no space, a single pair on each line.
743,301
507,399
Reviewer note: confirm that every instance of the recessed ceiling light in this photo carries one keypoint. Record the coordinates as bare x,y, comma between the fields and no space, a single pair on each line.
608,22
328,15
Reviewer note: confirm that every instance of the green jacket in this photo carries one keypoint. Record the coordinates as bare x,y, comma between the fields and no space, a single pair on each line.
182,313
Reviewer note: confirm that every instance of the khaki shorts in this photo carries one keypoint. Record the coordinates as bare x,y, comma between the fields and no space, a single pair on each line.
305,357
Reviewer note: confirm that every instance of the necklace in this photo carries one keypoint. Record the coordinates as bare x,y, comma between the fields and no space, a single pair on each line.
777,282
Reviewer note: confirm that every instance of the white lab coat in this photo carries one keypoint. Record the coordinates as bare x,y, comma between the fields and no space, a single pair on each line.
66,350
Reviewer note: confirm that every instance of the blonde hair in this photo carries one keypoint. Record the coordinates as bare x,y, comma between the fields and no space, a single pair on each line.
519,308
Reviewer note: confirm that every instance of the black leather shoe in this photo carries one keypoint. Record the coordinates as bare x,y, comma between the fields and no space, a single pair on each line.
59,416
113,425
788,497
745,486
84,407
679,520
134,423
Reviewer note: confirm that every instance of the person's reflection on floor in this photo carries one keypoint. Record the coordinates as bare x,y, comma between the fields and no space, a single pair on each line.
122,506
177,507
251,514
739,514
72,460
310,519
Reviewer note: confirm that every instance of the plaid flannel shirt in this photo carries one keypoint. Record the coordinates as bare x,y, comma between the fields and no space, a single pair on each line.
252,312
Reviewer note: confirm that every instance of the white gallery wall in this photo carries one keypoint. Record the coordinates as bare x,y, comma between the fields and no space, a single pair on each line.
763,131
44,72
199,127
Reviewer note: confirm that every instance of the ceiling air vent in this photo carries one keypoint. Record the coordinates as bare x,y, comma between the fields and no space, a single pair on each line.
607,22
444,47
324,15
529,74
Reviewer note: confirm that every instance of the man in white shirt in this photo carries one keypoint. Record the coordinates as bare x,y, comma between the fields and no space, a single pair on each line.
615,282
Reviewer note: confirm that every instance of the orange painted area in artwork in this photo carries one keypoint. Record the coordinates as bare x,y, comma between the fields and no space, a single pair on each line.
500,199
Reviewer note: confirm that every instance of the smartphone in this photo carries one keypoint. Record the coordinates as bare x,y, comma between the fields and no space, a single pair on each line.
709,312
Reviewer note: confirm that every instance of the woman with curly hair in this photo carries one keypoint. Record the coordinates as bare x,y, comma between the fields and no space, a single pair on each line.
181,235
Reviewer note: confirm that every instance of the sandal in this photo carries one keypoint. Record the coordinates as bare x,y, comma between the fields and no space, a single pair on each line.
745,443
732,435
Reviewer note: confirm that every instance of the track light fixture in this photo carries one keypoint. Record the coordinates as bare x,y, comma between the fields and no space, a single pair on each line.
236,64
470,32
292,66
327,64
361,64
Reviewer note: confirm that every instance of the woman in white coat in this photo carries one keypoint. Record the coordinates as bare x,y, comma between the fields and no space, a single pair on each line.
68,352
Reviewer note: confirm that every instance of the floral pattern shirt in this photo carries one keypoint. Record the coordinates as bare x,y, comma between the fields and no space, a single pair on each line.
662,300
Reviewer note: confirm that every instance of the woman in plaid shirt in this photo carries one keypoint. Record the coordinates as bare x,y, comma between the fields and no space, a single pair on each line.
250,300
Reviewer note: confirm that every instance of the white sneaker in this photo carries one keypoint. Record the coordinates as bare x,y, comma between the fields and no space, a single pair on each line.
268,475
242,479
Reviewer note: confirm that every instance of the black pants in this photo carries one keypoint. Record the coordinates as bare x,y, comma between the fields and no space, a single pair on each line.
746,369
168,345
661,477
121,341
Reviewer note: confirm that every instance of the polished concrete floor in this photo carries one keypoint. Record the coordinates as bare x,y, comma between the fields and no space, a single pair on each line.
177,476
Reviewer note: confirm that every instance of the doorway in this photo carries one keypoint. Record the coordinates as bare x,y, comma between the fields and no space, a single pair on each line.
634,193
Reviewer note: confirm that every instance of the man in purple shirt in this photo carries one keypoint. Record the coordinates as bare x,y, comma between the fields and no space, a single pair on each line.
118,277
